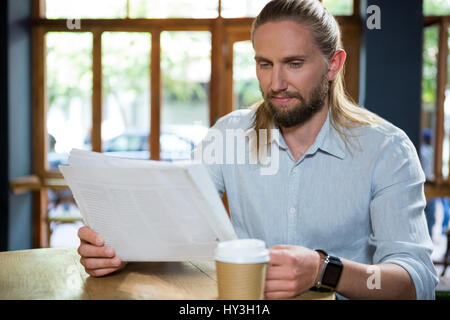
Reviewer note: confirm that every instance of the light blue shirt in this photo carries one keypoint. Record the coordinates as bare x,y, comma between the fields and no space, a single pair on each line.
364,202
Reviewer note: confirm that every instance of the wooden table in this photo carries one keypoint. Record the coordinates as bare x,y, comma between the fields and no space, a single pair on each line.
58,274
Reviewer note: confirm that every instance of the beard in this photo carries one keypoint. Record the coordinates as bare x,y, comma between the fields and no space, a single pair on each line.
287,117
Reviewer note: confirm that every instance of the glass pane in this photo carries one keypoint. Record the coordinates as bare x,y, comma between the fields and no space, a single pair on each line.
126,94
251,8
446,145
339,7
242,8
174,8
245,84
69,87
186,73
428,117
64,219
78,9
436,7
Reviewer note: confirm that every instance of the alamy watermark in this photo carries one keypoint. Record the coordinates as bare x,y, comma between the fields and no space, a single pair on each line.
73,24
374,19
239,147
374,280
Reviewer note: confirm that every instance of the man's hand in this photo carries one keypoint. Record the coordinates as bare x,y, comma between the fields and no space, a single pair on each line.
291,270
97,259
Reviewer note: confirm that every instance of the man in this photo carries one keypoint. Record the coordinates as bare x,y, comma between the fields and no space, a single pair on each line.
348,182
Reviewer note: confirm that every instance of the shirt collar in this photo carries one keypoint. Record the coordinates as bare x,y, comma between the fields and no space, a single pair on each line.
328,140
332,142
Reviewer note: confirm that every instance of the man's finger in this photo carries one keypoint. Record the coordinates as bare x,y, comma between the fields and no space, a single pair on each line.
88,235
280,295
280,285
278,256
279,273
100,272
96,263
89,251
281,246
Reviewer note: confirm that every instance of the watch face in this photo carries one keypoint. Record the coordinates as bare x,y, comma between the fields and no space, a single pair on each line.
331,276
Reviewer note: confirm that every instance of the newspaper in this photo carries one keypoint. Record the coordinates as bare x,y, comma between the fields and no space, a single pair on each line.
148,210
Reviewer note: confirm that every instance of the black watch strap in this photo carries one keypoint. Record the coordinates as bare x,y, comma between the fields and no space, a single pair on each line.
329,274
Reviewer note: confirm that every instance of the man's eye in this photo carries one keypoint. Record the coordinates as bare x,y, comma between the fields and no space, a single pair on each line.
264,65
295,64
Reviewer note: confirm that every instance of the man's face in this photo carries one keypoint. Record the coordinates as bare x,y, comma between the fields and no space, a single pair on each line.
291,71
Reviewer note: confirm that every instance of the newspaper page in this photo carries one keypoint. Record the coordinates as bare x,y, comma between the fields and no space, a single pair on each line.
149,210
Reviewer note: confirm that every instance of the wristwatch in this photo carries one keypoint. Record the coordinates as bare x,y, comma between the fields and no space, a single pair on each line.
330,274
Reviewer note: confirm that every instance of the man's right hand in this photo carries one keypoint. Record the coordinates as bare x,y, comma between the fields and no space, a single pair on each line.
97,259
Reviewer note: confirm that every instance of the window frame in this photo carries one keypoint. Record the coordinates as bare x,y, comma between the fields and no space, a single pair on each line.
440,187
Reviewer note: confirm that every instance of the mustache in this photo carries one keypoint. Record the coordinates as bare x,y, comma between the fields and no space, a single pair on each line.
283,94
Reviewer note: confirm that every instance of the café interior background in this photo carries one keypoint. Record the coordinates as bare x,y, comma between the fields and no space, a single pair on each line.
146,78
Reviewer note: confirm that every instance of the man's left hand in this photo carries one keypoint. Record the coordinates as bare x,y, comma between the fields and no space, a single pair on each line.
291,270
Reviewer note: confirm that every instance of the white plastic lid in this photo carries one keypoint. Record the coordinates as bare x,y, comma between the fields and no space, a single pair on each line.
242,251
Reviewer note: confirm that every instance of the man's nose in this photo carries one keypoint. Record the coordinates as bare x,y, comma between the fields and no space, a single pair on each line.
278,80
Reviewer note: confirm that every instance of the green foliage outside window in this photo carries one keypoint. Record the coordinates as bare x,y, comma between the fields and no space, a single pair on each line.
436,7
429,71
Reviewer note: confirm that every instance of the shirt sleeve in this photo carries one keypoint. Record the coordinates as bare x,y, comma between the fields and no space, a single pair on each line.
399,229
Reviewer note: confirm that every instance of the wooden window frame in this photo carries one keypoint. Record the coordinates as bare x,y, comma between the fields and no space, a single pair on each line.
440,187
224,33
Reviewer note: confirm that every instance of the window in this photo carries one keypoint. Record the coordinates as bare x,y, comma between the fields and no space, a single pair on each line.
246,90
435,122
242,8
251,8
125,126
69,83
173,9
186,73
429,74
339,7
82,9
436,7
137,78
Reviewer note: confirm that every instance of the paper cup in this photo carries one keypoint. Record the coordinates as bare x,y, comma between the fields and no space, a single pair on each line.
241,269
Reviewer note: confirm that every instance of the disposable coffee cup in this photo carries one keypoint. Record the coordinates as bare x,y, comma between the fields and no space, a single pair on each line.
241,269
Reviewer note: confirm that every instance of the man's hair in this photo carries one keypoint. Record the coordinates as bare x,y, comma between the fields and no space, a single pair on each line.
325,31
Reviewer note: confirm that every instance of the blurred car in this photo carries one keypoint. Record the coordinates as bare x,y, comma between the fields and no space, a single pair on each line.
135,145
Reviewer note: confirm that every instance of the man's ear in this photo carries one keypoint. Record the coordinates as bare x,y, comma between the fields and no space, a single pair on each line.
336,63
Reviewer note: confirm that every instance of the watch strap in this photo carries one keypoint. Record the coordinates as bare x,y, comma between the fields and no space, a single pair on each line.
325,261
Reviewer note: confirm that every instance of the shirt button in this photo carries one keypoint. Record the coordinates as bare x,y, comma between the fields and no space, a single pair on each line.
292,210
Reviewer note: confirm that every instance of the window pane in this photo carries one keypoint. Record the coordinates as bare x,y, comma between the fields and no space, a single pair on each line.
339,7
242,8
126,94
428,118
446,145
57,9
251,8
69,86
436,7
64,219
186,73
174,8
245,84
